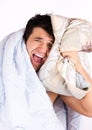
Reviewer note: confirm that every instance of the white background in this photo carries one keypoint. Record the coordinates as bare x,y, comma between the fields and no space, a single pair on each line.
14,15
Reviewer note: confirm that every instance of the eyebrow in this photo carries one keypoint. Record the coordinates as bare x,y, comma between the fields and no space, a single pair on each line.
39,38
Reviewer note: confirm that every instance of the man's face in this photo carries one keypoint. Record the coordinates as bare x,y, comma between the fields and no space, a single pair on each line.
38,46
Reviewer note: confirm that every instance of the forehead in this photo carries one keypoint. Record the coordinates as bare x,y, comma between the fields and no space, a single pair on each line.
41,33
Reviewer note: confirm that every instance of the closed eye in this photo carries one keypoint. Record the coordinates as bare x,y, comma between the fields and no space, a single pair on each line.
38,39
50,45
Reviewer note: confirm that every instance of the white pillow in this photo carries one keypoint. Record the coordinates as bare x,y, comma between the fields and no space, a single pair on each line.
59,74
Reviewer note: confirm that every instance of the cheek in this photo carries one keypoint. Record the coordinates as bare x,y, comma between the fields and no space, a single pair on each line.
48,53
30,46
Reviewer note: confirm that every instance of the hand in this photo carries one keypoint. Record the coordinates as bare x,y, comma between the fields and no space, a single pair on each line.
74,57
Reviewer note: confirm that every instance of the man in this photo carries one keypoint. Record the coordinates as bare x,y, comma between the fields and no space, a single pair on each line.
24,104
40,42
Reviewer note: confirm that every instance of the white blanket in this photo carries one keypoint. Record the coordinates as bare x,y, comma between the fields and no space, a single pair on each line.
24,104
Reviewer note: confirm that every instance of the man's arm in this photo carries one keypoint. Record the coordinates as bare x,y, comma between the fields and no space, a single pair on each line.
83,106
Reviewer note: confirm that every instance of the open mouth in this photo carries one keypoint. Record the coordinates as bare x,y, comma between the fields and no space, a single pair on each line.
37,58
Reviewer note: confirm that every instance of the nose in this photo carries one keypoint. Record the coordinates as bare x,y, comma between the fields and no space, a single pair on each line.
44,48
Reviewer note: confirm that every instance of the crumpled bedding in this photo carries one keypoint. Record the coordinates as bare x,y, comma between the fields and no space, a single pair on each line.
24,104
59,74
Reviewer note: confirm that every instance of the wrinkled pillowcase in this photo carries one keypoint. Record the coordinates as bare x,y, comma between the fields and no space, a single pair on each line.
61,77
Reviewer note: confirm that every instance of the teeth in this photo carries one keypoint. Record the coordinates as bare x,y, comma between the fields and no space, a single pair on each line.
39,55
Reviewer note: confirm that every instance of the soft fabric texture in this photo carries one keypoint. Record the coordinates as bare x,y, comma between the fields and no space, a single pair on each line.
70,119
24,104
58,74
77,36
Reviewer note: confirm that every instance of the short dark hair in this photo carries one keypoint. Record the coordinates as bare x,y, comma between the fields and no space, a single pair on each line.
43,21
